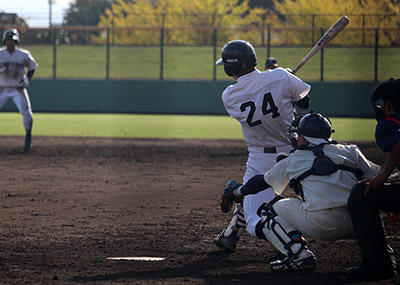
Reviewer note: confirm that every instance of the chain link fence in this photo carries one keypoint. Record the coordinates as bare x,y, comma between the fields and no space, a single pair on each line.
188,53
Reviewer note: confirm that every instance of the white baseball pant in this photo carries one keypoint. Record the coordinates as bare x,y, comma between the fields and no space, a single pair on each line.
258,163
21,100
327,225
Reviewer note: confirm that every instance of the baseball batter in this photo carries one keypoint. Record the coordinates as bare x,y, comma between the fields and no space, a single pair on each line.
262,102
13,82
322,173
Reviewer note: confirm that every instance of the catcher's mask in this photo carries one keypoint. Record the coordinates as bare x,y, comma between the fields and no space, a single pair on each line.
313,125
11,34
238,57
388,90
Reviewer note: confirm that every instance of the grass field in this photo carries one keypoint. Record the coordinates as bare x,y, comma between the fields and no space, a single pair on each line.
197,63
158,126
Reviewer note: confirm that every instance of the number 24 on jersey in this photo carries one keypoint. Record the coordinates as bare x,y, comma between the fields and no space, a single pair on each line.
268,101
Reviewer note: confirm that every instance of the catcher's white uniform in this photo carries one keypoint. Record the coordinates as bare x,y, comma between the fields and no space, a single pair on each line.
12,71
323,214
263,104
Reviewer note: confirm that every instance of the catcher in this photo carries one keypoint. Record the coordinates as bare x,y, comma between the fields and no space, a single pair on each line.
322,173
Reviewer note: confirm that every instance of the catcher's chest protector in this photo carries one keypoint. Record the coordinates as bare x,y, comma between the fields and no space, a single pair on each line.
322,165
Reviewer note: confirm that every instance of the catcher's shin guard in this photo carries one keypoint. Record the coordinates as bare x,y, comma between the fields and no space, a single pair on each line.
287,240
229,237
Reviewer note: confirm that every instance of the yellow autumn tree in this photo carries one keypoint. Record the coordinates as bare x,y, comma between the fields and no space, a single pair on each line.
367,13
184,21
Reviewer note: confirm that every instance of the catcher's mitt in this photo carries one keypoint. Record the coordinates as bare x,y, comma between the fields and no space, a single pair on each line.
229,197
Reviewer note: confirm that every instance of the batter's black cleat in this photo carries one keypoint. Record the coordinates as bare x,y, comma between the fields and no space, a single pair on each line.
227,243
28,142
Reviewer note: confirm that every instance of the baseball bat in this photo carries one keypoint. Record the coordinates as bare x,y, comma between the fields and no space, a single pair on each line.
324,40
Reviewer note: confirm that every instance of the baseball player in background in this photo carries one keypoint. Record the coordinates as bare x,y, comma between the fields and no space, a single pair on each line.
14,62
270,63
322,173
370,196
262,103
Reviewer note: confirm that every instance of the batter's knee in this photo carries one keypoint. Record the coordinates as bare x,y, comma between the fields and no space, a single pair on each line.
251,226
27,119
28,113
356,196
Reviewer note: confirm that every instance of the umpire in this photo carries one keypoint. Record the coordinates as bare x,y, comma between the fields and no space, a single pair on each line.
371,195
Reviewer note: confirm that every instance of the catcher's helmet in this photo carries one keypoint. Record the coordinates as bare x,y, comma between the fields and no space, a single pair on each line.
11,34
237,57
315,125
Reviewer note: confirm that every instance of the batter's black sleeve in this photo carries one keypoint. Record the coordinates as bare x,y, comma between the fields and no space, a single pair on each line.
303,103
254,185
30,74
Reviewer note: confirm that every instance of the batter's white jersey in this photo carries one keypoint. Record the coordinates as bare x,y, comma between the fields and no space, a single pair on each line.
13,65
263,104
322,192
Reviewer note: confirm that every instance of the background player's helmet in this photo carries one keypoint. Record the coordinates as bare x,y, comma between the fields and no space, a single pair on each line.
315,125
271,63
237,57
11,34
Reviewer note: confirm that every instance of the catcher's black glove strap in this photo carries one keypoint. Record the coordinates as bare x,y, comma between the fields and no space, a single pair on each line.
254,185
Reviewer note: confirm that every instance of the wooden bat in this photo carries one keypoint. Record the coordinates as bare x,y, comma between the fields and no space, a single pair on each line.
325,39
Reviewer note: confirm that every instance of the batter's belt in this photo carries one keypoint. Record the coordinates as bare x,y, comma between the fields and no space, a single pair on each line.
272,149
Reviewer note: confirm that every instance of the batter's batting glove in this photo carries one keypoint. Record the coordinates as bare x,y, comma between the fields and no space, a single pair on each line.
230,195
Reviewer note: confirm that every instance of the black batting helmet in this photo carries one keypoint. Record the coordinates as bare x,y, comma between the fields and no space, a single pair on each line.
237,57
271,63
11,34
315,125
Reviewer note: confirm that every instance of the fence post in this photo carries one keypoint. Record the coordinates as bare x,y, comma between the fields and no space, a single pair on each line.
322,58
214,54
108,54
112,30
269,41
263,32
161,53
376,54
313,32
363,30
54,53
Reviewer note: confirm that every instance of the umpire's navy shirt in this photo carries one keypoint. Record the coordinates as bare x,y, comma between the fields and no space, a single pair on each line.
387,131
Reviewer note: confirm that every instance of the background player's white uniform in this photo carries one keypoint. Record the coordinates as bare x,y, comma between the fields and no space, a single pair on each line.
323,215
12,71
262,103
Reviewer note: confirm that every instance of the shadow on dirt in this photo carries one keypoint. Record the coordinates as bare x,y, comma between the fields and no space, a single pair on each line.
204,270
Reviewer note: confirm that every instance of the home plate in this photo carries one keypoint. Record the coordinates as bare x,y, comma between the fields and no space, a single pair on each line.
137,258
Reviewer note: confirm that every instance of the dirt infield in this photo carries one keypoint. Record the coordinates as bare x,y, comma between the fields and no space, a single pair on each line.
73,202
